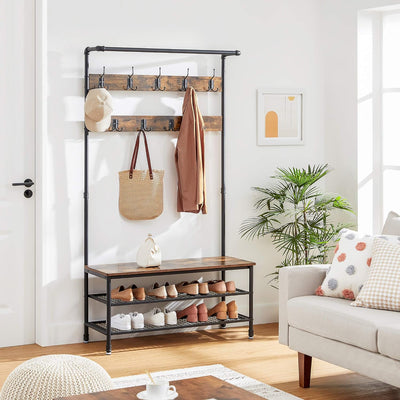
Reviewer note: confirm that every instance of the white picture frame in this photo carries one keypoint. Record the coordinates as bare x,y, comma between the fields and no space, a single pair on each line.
280,117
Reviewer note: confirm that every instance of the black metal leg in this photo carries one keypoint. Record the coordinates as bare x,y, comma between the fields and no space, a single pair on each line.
108,322
251,291
223,276
85,207
223,326
223,196
86,310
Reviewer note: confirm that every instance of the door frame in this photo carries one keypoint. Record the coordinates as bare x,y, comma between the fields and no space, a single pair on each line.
40,150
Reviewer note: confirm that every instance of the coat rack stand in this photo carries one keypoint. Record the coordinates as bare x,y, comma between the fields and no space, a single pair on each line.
110,272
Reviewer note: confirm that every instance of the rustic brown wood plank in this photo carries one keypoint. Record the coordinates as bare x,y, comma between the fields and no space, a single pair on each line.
172,266
188,389
130,123
146,83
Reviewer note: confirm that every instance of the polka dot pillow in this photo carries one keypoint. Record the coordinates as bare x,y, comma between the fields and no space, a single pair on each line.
351,264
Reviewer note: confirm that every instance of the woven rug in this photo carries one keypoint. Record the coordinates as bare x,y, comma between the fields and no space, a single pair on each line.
217,370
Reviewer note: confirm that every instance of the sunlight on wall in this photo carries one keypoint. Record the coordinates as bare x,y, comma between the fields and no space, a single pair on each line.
365,125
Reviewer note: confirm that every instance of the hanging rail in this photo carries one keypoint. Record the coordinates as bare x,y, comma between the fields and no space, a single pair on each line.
157,50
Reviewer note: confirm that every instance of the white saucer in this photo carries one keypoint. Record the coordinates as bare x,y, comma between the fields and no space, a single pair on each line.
171,395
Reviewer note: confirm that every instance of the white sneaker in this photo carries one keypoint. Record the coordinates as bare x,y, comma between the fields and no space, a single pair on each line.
170,317
121,322
137,320
154,317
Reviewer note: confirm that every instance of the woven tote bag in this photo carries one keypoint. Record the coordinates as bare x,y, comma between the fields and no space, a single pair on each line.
141,192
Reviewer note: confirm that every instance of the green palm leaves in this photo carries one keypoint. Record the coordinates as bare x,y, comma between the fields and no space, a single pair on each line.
297,216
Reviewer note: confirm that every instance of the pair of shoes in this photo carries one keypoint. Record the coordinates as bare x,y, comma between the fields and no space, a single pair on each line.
220,286
223,310
133,292
192,288
194,313
127,322
162,292
157,317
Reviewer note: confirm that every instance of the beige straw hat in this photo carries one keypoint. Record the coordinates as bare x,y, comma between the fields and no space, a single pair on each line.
98,110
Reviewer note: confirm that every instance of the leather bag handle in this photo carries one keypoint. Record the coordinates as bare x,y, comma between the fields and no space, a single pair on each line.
136,152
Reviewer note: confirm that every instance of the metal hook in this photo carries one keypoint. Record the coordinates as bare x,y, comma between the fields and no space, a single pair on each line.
130,81
171,125
158,81
184,82
211,83
101,79
114,126
143,125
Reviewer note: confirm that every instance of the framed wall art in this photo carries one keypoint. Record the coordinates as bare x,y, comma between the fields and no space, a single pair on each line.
280,117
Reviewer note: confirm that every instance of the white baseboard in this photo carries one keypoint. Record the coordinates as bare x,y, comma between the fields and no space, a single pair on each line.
266,313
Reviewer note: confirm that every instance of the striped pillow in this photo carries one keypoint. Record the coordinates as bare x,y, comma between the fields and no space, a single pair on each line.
382,289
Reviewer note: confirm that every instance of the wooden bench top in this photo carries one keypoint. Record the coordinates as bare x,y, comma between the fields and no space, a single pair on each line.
169,266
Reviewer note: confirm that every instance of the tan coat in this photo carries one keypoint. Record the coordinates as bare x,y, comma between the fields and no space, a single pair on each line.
189,157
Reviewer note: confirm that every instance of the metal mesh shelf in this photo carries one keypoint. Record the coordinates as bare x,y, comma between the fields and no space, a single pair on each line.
102,297
100,326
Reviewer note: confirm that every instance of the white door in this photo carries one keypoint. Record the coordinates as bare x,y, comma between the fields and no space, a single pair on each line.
17,149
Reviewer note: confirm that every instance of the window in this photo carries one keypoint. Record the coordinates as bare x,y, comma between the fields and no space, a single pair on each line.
378,117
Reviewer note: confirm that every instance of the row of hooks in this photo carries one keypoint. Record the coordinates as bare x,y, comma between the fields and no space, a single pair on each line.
157,83
143,126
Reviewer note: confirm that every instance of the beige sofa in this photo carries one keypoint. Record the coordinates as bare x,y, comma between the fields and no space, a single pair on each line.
363,340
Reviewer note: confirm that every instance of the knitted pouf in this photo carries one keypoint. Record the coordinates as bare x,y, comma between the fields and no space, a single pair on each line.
50,377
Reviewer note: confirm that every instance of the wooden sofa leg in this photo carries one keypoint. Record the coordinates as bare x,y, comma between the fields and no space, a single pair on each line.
304,370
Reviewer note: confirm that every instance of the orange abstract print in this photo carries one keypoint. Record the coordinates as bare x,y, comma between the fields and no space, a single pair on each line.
271,124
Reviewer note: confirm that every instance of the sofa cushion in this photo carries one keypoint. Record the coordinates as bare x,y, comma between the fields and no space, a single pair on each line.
392,224
351,264
388,341
382,289
335,319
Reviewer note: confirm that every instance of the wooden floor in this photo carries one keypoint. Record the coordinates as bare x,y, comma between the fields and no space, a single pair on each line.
262,358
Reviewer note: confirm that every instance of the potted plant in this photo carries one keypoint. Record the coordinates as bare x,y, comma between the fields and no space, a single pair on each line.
297,216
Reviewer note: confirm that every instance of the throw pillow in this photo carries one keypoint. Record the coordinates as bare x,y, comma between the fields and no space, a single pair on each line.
382,289
392,224
351,264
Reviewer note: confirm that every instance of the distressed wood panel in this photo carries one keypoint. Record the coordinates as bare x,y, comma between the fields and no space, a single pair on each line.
144,83
130,123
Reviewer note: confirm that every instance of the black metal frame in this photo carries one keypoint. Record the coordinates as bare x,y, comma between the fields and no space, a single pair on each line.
223,54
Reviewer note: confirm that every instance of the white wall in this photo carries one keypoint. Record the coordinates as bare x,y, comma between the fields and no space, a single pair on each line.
281,46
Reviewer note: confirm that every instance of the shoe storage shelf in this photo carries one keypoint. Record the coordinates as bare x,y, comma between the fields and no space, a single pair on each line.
112,272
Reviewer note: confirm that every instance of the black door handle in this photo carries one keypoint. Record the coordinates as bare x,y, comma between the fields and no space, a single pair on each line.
27,183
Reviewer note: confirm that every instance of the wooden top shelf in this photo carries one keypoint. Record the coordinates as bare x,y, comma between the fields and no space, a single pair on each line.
169,266
145,83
